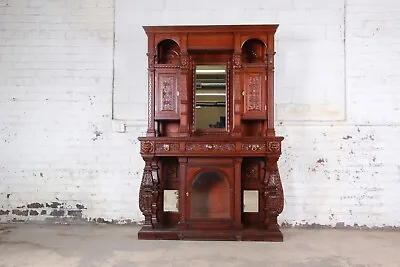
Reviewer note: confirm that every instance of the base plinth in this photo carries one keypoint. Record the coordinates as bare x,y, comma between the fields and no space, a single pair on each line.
211,235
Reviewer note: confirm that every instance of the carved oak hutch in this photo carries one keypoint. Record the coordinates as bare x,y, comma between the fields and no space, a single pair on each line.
210,150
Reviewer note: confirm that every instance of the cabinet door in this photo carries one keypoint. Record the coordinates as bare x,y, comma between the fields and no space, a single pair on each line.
166,97
254,92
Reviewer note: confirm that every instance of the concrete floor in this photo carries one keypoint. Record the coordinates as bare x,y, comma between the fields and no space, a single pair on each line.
108,245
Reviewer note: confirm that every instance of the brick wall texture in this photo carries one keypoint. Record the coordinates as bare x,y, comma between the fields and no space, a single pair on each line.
73,71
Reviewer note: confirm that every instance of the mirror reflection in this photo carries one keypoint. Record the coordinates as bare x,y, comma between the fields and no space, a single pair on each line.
210,111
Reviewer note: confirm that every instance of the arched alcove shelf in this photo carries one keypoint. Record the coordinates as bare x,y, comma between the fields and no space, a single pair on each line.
254,51
168,52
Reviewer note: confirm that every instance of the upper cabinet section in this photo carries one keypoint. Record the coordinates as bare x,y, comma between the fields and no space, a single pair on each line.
210,80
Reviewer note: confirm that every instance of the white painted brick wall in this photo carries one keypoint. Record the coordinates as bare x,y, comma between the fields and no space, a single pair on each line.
337,104
57,143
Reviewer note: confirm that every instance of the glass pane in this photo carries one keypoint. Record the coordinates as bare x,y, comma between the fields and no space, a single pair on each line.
250,201
210,96
210,196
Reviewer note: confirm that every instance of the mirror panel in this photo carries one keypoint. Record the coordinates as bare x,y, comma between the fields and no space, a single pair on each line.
210,97
250,201
171,200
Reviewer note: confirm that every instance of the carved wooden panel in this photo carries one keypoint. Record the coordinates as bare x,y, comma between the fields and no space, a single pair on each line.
253,147
210,147
254,83
167,147
167,93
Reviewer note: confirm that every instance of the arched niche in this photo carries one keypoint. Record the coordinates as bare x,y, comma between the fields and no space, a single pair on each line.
254,51
168,52
210,196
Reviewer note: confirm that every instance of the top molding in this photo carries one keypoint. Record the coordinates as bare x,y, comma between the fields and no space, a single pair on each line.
269,28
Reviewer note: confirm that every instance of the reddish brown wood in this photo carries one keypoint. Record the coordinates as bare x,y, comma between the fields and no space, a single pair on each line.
211,167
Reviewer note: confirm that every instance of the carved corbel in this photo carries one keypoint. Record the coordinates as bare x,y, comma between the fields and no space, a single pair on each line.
149,192
273,193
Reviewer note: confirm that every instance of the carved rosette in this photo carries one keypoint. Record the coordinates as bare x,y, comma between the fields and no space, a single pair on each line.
274,147
254,94
146,147
184,62
253,147
167,147
252,172
210,147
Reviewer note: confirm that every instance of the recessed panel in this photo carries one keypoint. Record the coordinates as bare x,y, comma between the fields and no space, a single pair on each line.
209,197
210,41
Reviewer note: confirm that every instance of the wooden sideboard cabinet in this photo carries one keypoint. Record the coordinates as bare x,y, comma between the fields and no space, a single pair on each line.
210,150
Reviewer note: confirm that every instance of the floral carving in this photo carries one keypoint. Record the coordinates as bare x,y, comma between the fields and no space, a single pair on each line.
237,61
253,147
274,147
184,61
167,147
147,195
146,147
167,84
253,100
273,194
150,123
151,60
210,147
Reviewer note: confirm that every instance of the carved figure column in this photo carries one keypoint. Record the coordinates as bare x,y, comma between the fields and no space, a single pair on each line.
273,193
149,187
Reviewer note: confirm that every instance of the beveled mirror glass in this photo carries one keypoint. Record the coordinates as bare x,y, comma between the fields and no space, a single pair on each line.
210,97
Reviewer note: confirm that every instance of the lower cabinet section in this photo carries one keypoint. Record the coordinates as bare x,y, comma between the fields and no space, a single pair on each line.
211,198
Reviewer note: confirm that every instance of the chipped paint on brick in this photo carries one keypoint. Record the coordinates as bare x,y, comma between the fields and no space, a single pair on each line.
35,205
4,212
20,212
